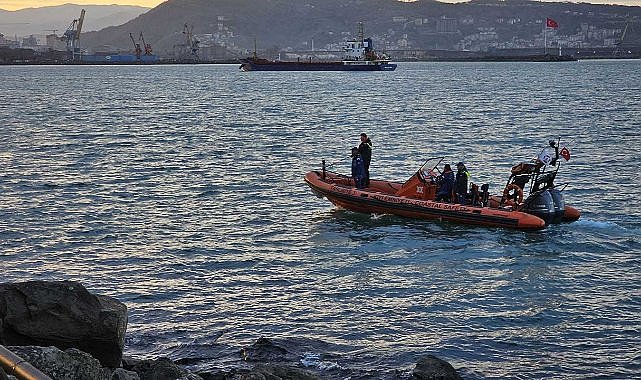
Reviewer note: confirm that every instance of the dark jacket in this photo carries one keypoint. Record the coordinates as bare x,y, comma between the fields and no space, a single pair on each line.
461,181
446,184
365,150
358,171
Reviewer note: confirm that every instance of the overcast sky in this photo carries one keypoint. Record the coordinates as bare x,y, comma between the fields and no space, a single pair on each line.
12,5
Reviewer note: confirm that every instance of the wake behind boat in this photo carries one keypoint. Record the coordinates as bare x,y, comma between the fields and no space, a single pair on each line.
359,56
416,197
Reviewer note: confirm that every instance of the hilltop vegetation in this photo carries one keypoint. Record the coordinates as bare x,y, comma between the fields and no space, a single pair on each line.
232,25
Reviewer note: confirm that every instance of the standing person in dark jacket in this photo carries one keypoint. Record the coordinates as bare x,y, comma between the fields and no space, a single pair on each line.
460,187
358,169
365,150
446,185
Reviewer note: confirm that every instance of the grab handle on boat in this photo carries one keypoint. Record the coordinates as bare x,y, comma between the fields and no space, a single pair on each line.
323,163
18,367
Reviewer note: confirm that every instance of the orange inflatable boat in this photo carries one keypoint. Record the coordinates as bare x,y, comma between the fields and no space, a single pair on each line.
416,199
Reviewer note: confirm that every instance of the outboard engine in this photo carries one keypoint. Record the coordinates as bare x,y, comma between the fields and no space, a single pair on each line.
559,205
542,205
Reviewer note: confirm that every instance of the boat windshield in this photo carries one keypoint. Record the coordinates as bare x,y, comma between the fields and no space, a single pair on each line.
429,169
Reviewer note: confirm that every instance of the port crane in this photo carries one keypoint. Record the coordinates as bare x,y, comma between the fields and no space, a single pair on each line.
192,42
137,48
72,35
617,49
146,46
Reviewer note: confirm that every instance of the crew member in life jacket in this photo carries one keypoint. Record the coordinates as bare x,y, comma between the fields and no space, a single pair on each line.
365,150
446,184
460,186
358,169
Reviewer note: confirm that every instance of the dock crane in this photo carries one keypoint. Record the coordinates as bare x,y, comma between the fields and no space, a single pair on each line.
617,49
137,48
72,36
145,45
192,42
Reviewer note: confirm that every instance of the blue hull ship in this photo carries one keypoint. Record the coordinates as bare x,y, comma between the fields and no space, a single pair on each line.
359,56
119,58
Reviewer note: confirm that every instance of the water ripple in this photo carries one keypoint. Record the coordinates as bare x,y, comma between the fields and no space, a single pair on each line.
182,195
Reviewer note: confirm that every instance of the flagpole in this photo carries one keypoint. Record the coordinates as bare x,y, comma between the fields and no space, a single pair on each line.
545,38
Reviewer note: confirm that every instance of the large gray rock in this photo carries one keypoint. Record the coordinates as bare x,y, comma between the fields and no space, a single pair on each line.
71,364
280,372
432,368
265,350
63,314
122,374
160,369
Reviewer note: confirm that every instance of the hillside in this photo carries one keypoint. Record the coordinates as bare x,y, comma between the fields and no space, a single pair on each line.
43,20
230,27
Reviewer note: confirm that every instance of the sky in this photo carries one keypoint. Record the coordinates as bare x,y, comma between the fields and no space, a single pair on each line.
12,5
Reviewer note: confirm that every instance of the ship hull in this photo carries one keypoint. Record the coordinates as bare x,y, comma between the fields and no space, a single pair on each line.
248,65
119,58
381,198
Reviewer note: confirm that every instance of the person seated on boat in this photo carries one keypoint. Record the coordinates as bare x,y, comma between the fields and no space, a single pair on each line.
446,185
475,195
358,169
365,150
460,186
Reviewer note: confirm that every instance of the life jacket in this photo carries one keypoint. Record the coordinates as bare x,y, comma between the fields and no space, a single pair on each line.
461,181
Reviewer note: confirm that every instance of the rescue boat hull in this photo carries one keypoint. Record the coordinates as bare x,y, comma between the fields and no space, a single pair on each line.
380,198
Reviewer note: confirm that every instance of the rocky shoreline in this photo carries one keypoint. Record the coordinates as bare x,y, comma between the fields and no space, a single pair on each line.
70,334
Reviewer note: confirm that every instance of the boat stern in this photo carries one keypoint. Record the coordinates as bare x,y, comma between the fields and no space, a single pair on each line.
388,66
530,222
571,214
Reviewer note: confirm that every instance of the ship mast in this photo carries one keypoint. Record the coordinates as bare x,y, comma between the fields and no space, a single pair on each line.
255,55
359,33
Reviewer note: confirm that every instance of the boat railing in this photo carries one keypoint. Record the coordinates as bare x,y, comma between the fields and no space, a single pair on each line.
14,365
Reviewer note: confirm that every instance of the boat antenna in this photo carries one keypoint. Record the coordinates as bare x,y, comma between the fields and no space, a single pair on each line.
359,32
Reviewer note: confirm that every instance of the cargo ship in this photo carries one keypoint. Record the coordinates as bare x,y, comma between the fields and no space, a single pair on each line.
117,58
359,56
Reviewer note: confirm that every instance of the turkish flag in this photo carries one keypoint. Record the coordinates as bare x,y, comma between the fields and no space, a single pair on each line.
565,153
551,23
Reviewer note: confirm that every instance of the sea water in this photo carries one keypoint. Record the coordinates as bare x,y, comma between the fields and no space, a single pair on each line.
179,190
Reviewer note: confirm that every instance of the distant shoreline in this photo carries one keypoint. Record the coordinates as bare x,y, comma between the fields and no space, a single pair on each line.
537,58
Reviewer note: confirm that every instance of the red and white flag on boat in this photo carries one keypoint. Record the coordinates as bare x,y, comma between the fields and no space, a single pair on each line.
551,23
565,153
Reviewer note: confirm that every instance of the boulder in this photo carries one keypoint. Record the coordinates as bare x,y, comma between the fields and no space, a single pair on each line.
161,369
279,372
63,314
122,374
264,350
71,364
432,368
